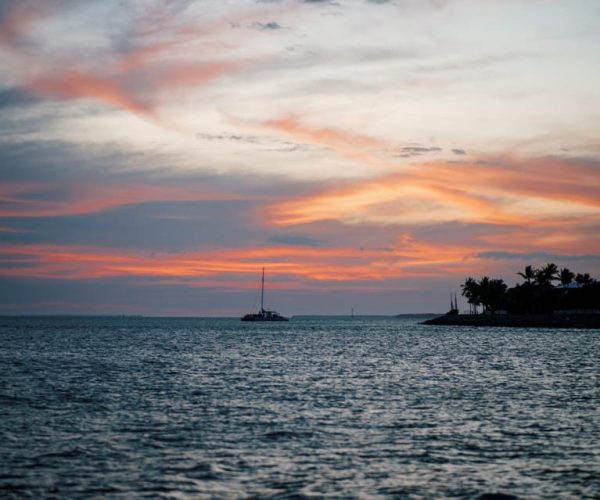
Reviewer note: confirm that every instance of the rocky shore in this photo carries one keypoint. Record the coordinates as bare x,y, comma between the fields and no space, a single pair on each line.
574,320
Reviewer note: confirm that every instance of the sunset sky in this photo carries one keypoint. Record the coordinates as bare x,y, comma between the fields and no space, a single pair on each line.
156,154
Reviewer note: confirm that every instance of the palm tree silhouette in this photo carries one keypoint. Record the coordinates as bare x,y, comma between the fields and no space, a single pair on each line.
528,274
488,292
537,295
566,276
470,290
584,279
491,293
547,274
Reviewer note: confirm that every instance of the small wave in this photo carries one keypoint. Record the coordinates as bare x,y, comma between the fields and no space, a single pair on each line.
9,399
7,487
277,435
202,471
286,490
66,454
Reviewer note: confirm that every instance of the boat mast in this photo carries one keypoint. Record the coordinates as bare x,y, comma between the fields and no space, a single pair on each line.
262,291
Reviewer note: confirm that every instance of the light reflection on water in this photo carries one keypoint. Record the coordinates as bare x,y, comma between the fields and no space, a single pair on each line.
364,407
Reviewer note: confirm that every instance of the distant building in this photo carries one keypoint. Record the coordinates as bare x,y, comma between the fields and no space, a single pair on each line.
573,284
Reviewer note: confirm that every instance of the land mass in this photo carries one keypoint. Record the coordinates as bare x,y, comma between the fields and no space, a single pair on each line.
571,320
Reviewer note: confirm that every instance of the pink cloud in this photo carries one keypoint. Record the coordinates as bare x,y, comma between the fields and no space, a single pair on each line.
159,62
18,18
76,84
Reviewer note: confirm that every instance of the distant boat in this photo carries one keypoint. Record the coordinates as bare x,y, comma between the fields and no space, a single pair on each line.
263,314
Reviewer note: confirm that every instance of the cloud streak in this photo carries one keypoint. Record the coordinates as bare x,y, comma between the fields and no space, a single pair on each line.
490,190
288,263
157,60
500,191
31,199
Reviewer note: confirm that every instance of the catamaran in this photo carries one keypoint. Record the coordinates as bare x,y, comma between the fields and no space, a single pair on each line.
263,314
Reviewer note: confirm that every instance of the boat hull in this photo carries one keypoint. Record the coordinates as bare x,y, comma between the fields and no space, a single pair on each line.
264,316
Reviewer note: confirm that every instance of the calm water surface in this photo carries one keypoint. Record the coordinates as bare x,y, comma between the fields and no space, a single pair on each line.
133,407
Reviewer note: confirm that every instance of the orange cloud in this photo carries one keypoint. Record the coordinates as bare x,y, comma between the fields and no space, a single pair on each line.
300,268
490,190
326,136
357,147
193,74
292,265
406,199
493,191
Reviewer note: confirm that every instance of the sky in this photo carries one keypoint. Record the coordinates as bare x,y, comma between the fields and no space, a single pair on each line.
155,155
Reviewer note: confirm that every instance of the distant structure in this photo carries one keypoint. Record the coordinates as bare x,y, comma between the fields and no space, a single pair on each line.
453,304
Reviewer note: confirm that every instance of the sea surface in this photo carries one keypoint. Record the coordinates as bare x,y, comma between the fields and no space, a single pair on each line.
363,407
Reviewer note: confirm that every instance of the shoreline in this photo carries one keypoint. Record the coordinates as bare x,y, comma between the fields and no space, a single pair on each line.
574,320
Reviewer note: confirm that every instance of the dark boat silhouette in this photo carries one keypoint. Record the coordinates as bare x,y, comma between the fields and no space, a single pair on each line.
264,314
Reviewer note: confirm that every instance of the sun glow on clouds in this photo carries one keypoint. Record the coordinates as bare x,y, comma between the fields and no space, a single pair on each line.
429,140
500,191
408,258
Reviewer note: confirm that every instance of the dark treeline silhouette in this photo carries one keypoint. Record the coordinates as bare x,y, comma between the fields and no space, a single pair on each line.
544,291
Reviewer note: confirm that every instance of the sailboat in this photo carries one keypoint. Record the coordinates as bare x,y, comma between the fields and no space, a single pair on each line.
263,314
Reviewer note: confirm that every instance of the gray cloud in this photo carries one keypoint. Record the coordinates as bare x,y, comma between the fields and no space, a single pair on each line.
269,26
420,149
287,239
14,97
473,63
138,296
118,296
152,226
459,151
341,64
61,161
410,151
61,170
535,256
289,147
253,139
272,144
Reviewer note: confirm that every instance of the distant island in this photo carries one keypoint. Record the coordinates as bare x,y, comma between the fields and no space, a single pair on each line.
548,297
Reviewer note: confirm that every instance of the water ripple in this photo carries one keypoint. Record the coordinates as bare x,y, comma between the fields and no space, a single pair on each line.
178,408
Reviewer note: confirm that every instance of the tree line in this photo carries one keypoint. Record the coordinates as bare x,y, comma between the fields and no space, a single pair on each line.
544,290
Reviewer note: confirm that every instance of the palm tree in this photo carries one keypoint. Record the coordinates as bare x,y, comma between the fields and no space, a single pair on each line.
470,290
491,293
528,274
566,276
584,279
547,274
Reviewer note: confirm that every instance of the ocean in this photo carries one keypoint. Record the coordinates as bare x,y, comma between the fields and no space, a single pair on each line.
99,407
